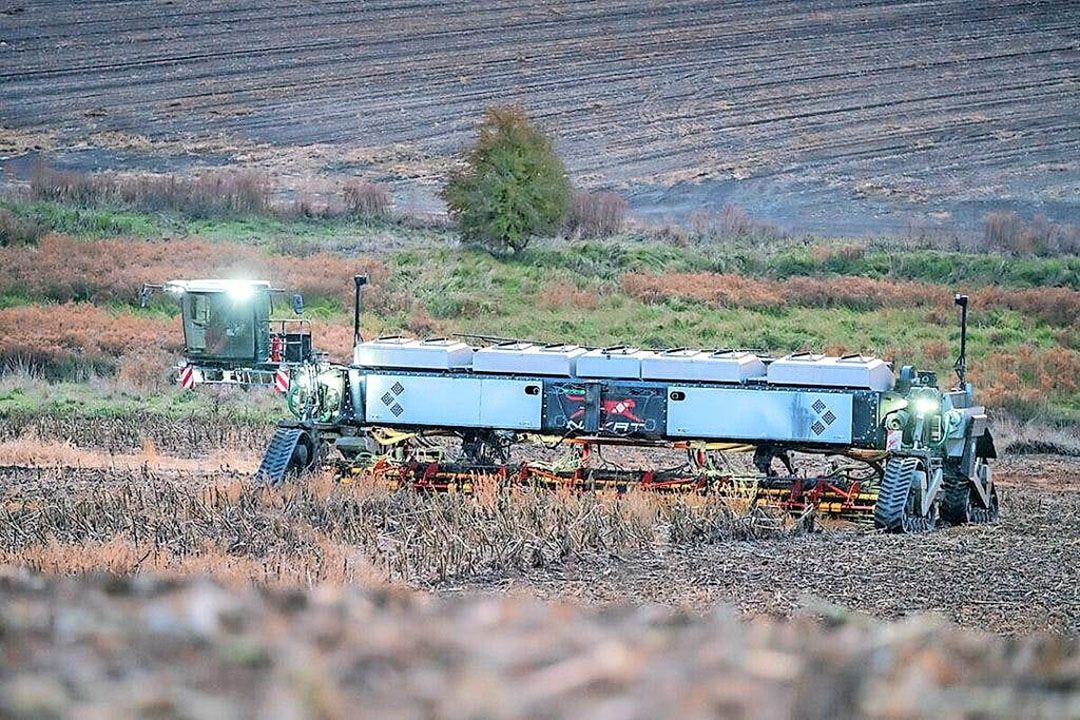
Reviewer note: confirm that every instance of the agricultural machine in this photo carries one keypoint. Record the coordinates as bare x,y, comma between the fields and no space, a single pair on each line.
441,413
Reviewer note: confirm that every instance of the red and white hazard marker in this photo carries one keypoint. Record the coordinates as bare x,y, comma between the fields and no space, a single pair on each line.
187,377
281,380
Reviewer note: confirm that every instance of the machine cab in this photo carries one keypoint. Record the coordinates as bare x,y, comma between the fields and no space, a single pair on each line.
229,332
225,322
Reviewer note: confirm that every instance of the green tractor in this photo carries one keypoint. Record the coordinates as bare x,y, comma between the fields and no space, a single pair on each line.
231,334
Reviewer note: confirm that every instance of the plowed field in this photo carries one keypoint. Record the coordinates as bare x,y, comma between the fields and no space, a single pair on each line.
831,116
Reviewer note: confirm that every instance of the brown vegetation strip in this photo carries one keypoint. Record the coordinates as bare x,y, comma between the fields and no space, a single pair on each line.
415,537
141,348
40,334
65,269
1055,306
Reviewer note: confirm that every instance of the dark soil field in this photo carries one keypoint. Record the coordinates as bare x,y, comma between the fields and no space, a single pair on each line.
161,618
832,117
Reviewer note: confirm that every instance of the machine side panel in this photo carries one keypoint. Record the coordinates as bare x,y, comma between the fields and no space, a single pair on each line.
448,401
741,414
629,409
511,404
439,401
571,406
866,428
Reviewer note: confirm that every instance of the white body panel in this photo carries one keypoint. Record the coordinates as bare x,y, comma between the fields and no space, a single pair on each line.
511,404
409,353
464,401
744,414
528,359
821,371
624,363
702,366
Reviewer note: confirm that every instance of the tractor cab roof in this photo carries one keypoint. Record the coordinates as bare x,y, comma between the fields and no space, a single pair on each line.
218,286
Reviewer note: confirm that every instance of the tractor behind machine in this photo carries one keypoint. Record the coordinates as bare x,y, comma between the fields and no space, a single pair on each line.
232,335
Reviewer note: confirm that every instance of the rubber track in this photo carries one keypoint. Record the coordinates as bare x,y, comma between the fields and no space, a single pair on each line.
955,496
895,486
275,462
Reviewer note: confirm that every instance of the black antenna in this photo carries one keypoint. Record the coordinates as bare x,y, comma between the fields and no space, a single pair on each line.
961,361
361,281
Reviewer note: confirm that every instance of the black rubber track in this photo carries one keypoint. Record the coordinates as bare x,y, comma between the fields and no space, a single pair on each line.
955,498
895,486
275,463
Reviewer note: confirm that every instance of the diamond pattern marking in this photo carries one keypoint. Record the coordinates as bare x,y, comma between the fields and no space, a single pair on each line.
818,406
397,410
828,417
398,388
818,428
387,399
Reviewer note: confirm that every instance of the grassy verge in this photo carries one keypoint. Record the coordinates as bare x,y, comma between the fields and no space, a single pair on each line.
632,251
291,235
24,395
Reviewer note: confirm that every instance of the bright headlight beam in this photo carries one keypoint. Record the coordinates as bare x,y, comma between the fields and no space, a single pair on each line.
926,405
240,290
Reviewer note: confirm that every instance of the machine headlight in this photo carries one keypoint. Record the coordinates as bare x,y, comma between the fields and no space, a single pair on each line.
927,405
240,290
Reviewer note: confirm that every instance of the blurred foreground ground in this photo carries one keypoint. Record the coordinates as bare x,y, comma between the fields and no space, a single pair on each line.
143,647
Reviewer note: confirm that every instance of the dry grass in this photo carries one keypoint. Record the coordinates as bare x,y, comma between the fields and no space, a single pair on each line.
596,214
15,230
1026,380
220,192
75,341
30,451
211,193
1014,437
560,294
731,290
1055,305
366,199
57,338
1007,231
731,222
212,435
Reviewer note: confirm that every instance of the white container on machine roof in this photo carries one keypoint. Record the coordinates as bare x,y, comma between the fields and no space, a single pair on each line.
726,366
613,362
521,358
850,371
400,352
